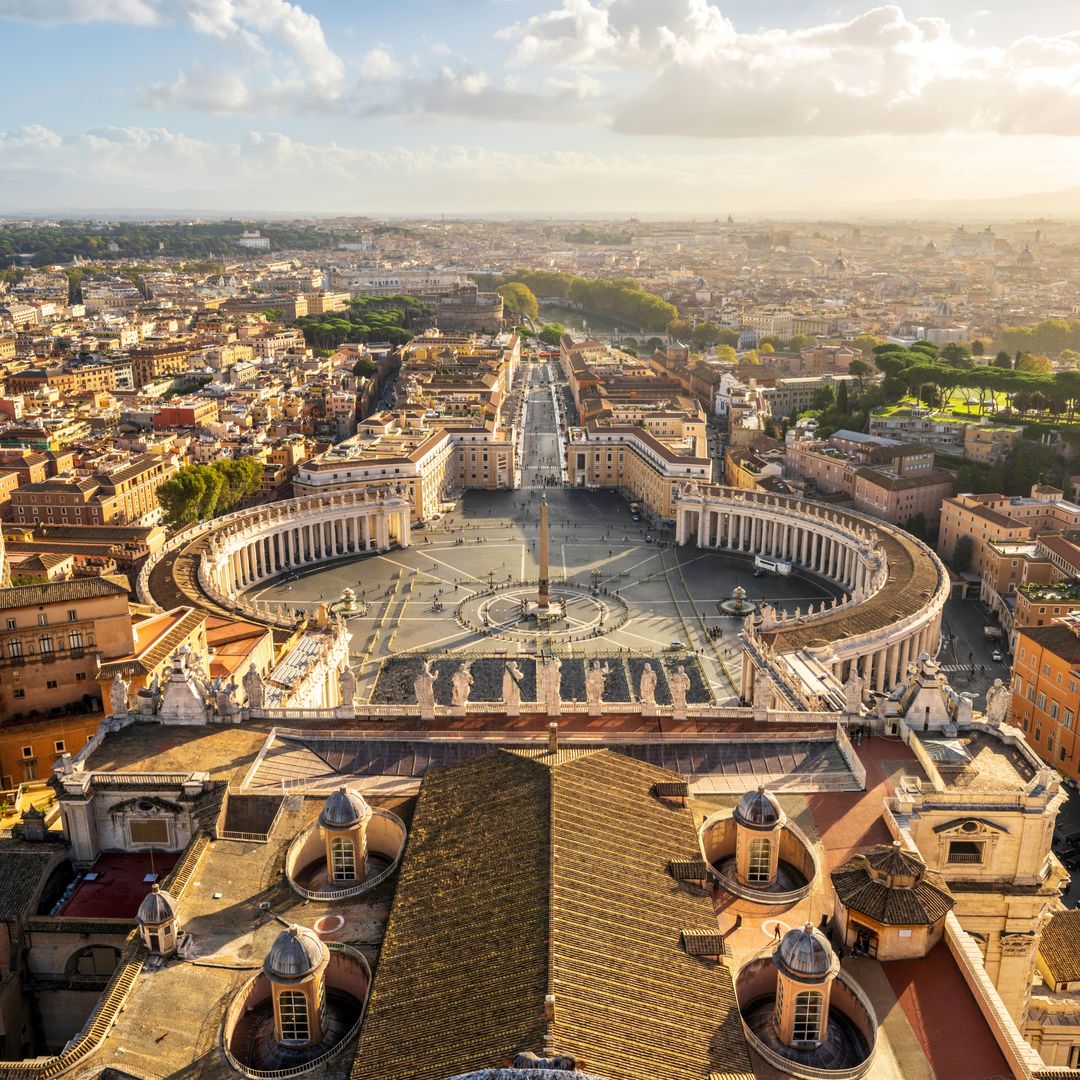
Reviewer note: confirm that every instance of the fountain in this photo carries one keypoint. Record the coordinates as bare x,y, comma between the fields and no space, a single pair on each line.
348,605
737,604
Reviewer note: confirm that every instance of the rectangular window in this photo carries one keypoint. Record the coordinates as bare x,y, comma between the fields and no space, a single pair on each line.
1053,709
149,831
19,693
50,684
11,624
73,615
58,746
1040,701
27,751
1050,742
965,852
1067,718
43,619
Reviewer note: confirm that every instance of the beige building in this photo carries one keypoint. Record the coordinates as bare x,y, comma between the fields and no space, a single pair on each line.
53,638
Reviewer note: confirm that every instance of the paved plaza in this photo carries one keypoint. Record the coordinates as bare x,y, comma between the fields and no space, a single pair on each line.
671,594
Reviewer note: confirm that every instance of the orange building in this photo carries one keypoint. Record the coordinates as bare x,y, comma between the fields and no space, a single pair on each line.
1046,691
29,750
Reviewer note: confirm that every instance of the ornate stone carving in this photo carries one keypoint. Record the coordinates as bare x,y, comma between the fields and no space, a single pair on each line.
460,685
647,685
118,695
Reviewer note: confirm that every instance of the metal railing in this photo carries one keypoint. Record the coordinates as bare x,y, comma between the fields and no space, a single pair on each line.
239,1004
367,885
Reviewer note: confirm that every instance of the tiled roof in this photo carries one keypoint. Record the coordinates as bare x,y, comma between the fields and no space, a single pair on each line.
921,904
159,650
1060,946
58,592
527,875
20,877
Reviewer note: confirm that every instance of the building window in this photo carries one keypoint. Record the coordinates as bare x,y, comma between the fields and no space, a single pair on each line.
45,643
15,649
18,692
965,851
80,676
75,639
1041,701
1054,707
807,1026
50,684
59,746
43,619
1018,686
73,615
149,831
343,857
757,865
293,1010
1067,718
27,751
1050,742
11,624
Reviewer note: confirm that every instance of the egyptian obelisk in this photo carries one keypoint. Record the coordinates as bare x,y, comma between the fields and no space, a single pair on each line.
542,599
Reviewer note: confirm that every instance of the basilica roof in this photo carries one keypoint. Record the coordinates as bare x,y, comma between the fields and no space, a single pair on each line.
559,888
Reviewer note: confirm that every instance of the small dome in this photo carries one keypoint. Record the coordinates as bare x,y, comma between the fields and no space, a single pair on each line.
344,808
296,953
759,810
805,954
158,907
893,866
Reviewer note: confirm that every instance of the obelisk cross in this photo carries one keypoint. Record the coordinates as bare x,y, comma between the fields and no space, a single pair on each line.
543,598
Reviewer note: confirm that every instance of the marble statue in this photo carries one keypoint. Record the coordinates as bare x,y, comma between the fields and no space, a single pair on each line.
647,686
225,701
254,689
424,685
460,686
118,695
768,616
594,682
346,686
511,685
550,684
853,690
679,684
998,700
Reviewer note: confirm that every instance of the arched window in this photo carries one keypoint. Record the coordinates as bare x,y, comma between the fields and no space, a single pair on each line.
293,1013
343,859
15,648
45,642
758,863
807,1025
75,639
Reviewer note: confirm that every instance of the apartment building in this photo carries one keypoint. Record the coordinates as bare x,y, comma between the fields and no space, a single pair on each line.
974,440
121,494
52,639
1046,691
65,378
994,518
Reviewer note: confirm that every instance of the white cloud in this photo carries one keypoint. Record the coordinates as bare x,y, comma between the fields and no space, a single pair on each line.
159,168
378,64
290,40
878,72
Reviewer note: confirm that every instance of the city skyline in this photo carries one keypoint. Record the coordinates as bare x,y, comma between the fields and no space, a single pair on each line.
580,108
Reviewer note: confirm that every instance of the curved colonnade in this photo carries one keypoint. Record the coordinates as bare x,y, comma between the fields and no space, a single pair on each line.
240,550
896,587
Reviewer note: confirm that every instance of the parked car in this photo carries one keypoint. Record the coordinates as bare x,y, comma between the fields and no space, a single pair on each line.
996,655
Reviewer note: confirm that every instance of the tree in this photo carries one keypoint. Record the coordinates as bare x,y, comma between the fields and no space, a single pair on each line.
365,367
824,397
680,329
842,398
751,356
916,525
729,337
519,299
866,344
1003,360
955,354
799,342
704,335
767,347
1035,363
726,354
551,333
861,370
978,347
962,553
198,492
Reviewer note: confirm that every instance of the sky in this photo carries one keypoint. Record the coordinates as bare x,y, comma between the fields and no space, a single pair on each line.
535,107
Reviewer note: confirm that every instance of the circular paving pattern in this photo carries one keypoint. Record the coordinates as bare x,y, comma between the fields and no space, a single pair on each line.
500,612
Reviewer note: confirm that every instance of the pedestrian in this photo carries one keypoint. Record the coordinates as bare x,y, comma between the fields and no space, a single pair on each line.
776,931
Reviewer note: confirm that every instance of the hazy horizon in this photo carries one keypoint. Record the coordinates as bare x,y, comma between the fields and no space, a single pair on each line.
541,108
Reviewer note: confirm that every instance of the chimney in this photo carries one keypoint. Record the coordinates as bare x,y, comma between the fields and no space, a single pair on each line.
553,737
